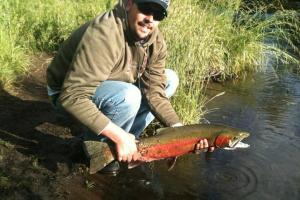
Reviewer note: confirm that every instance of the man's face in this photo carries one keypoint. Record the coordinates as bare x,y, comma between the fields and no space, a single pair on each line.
143,18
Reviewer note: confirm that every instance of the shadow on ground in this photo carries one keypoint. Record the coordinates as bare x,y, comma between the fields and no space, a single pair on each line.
37,145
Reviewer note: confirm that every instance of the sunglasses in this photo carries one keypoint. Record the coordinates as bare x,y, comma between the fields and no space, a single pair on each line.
152,9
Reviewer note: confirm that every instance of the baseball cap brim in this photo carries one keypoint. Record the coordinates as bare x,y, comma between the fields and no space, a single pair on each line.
159,2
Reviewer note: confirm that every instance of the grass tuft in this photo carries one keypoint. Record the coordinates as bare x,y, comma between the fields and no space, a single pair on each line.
207,37
33,26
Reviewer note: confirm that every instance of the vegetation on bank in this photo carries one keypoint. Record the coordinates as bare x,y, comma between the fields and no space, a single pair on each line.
31,26
205,38
223,39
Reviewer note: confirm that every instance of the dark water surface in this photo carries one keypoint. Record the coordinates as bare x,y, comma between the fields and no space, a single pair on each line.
268,105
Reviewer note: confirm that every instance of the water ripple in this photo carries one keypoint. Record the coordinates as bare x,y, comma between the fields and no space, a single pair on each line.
233,181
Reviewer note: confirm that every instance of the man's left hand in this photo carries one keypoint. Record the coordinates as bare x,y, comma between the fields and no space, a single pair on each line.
202,146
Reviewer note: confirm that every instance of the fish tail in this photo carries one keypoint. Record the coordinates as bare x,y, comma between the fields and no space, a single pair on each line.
99,153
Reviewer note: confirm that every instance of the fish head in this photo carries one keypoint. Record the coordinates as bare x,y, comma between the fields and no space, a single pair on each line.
231,139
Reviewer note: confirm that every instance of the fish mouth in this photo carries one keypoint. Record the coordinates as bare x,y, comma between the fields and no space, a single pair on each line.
236,141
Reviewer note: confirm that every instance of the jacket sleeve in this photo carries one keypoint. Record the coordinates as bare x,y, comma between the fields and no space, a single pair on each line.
92,63
154,84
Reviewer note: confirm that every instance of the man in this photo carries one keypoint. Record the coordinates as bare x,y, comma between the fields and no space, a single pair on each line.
110,75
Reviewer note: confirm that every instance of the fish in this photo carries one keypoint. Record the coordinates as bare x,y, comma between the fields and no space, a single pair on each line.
170,143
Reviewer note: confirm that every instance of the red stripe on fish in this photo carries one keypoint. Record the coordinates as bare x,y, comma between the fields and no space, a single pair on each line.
167,150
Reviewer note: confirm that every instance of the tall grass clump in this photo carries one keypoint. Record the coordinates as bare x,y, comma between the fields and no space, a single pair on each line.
29,26
203,39
279,31
49,22
13,57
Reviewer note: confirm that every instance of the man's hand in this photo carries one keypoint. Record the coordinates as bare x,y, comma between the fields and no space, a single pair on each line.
126,148
202,146
125,142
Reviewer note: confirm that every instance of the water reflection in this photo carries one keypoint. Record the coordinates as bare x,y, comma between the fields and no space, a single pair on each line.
268,105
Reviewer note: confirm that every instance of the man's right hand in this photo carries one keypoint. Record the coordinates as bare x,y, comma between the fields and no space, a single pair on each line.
126,148
125,142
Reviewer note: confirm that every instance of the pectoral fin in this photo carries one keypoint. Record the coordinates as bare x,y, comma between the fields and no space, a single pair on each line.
171,163
158,131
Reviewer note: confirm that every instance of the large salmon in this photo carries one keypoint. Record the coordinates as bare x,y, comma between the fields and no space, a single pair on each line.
170,143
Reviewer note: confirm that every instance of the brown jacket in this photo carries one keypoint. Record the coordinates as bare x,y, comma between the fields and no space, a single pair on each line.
104,50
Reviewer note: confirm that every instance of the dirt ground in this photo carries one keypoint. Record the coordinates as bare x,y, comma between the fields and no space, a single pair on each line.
40,150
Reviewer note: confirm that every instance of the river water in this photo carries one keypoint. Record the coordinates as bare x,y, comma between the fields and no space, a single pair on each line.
266,104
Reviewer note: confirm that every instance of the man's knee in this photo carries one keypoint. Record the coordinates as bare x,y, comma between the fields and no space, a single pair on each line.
114,97
131,97
172,82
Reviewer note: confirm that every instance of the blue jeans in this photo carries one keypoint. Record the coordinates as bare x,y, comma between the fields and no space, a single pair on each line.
125,106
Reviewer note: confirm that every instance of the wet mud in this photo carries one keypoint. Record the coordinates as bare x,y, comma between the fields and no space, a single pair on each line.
39,149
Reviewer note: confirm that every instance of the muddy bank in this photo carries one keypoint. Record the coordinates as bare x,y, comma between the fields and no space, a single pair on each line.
39,149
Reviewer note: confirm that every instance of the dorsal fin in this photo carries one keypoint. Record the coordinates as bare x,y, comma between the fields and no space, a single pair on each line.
158,131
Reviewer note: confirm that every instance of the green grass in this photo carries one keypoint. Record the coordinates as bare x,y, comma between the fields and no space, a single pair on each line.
13,57
29,26
203,36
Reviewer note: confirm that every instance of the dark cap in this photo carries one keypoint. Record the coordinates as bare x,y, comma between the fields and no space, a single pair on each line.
164,3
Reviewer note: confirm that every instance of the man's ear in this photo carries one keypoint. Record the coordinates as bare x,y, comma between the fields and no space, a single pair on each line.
129,5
